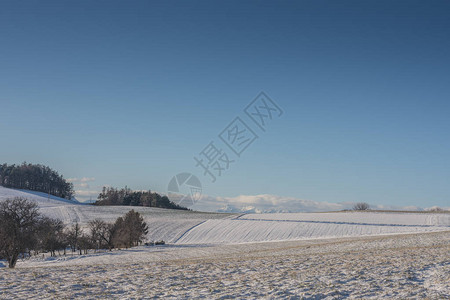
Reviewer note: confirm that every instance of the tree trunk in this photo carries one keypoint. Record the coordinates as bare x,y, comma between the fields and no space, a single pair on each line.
13,260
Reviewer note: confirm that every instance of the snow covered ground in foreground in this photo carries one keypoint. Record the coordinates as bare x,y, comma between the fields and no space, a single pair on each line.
407,266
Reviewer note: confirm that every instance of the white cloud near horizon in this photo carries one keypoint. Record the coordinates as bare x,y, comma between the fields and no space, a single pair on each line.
265,203
86,193
81,180
275,203
87,179
83,190
248,203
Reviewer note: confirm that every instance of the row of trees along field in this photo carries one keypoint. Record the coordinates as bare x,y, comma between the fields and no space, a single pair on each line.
125,196
25,232
35,178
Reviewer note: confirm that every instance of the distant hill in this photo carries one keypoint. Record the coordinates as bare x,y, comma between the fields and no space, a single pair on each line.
35,177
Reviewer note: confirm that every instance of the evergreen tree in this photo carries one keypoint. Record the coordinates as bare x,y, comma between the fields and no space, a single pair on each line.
35,178
113,196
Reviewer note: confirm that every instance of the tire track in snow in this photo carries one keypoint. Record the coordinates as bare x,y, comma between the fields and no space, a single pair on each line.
187,231
74,217
238,217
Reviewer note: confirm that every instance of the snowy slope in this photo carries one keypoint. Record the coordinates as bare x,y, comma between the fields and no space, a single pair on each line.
246,231
296,226
186,227
43,199
164,224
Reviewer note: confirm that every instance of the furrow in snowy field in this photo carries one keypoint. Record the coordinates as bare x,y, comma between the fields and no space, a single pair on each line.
387,218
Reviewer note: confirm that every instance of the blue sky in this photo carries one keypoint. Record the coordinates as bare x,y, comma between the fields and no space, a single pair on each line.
129,92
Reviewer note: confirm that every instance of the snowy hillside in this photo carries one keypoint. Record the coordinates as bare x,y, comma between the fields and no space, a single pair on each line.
164,224
43,199
245,231
297,226
187,227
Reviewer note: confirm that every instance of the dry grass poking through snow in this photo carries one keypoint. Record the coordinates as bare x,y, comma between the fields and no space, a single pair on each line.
401,266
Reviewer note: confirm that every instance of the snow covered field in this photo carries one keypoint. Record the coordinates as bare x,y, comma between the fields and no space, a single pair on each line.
294,226
352,217
299,255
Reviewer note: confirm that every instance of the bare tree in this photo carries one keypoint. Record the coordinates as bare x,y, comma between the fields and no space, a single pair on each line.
107,234
74,234
84,244
96,227
361,206
51,235
19,222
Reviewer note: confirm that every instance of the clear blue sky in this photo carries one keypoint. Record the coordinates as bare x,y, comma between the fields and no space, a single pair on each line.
129,91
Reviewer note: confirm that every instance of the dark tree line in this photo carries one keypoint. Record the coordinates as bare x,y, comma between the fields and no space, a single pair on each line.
127,231
24,232
127,197
35,178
